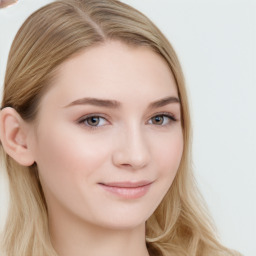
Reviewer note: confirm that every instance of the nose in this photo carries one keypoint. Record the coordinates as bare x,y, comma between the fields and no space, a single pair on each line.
132,150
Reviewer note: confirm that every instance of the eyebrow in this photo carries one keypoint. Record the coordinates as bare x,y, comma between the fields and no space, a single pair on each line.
96,102
115,104
164,102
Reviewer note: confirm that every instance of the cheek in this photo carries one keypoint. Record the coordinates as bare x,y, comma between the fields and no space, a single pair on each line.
66,158
167,154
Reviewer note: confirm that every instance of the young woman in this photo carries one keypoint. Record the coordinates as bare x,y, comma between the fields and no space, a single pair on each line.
95,134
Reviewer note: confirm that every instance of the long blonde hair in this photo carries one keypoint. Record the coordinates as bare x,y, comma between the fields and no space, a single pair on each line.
51,35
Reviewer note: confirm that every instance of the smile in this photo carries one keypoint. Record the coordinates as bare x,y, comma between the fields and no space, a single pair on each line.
127,190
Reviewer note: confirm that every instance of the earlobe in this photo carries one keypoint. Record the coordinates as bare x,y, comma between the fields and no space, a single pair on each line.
14,136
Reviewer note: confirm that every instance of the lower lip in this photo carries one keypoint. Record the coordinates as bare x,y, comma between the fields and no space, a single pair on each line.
127,193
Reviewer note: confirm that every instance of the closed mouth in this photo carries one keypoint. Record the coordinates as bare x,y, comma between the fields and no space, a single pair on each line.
126,184
127,190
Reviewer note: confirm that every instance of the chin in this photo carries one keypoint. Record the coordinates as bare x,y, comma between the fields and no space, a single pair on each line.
123,221
124,224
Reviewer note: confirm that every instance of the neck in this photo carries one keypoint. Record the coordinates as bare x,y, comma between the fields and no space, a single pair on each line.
75,237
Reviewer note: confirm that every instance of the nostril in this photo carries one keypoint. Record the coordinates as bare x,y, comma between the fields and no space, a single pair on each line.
127,160
126,165
131,151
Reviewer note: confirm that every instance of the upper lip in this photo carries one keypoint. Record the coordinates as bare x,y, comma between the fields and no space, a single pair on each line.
127,184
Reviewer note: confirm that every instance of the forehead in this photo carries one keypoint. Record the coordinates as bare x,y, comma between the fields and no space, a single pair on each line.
114,70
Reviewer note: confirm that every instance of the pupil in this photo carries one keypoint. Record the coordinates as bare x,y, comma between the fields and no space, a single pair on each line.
158,119
93,121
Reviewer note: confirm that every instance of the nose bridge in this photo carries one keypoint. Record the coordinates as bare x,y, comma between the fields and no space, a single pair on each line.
132,147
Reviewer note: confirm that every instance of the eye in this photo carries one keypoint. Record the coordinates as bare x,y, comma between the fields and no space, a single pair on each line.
162,119
93,121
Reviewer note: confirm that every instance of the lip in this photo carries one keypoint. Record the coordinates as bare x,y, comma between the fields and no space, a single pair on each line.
127,190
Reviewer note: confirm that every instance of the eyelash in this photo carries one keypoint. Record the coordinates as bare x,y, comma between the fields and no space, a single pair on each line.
171,118
84,120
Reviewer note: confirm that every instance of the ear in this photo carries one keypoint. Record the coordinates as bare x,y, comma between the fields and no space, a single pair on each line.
14,136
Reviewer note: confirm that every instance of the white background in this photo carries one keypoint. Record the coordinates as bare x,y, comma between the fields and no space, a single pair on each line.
216,43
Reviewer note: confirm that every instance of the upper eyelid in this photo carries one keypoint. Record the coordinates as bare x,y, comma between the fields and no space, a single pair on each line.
171,118
82,118
164,113
109,119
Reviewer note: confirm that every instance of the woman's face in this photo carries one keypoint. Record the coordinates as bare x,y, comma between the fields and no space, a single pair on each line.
109,141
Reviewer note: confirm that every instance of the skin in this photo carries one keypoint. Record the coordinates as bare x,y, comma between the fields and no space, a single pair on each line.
133,139
5,3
